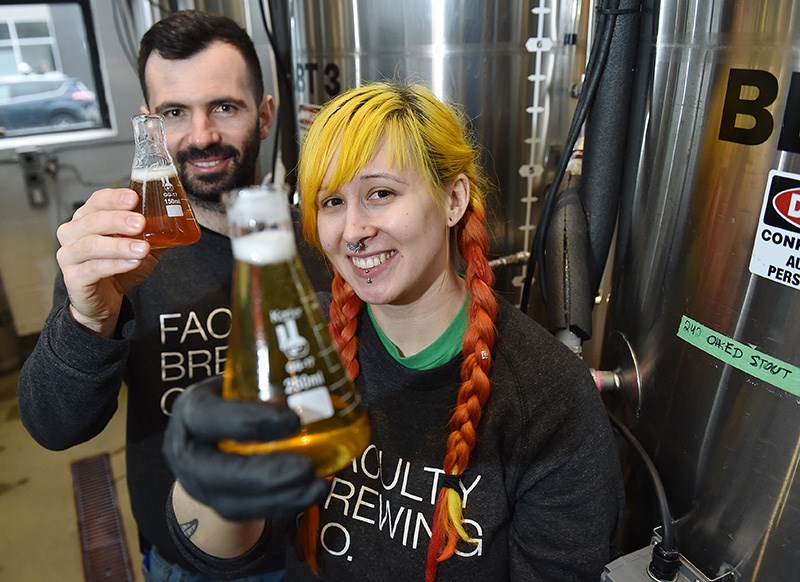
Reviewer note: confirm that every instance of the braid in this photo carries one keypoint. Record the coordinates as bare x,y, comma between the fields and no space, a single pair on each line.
343,311
473,244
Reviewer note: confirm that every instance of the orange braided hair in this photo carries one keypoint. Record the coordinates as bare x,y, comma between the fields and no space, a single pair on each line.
473,245
420,130
344,308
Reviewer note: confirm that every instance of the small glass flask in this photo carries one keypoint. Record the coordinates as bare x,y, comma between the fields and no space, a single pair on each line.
169,217
279,349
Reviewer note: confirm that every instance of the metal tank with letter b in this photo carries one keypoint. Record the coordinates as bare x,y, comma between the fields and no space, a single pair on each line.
706,299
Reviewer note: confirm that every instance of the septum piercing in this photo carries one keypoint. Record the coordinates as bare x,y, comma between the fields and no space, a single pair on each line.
355,247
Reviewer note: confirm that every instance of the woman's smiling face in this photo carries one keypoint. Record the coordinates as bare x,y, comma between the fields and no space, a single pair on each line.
404,234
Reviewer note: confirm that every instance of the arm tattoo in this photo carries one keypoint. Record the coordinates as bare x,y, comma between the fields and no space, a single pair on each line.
189,528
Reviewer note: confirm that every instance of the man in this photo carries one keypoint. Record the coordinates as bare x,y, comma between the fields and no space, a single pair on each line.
157,320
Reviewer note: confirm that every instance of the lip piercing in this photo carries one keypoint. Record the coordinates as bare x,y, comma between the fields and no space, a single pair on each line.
369,280
355,247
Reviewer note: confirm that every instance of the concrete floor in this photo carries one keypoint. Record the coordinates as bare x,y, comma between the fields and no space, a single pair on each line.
39,539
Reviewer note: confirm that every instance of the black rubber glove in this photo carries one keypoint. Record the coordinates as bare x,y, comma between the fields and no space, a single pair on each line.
238,487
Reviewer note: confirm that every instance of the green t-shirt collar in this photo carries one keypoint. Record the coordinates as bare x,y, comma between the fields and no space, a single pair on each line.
444,349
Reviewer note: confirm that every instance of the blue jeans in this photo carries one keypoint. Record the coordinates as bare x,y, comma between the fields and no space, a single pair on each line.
156,569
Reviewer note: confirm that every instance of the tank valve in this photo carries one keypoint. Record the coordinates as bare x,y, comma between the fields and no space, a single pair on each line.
606,381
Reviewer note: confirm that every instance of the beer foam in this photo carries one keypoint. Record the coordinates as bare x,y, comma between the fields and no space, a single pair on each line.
260,204
264,247
145,174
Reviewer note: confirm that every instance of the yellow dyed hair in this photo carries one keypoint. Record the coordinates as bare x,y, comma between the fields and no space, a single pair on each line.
419,130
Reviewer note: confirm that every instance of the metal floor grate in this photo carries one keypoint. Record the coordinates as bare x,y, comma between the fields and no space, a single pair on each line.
103,545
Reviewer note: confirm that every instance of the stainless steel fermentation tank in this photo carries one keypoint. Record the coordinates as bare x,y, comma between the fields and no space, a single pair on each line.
716,346
707,349
519,98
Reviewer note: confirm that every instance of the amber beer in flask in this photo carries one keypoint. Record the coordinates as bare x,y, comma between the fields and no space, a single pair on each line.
168,215
279,349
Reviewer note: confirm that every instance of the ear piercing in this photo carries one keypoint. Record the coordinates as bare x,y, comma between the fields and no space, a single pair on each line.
355,247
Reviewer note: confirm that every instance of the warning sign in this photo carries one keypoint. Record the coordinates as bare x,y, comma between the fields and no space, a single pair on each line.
776,251
306,113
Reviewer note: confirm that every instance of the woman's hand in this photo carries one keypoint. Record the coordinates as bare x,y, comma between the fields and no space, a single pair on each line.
238,487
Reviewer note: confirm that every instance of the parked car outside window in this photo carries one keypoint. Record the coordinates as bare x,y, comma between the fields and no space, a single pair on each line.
49,101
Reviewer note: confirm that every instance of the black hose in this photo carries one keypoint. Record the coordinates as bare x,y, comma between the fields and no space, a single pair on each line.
279,75
285,121
594,72
668,536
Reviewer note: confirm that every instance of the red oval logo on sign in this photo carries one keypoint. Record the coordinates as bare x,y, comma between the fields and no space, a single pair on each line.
787,204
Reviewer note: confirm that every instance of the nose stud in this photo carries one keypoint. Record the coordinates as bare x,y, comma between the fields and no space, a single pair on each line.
355,247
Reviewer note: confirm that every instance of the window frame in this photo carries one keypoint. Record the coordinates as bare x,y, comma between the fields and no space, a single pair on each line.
106,128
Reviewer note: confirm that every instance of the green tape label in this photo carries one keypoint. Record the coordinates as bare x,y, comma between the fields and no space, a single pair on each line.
742,357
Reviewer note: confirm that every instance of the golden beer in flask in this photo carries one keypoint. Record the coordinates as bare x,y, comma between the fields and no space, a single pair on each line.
169,219
279,349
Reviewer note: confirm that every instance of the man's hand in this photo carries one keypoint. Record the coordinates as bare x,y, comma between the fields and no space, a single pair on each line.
238,487
99,260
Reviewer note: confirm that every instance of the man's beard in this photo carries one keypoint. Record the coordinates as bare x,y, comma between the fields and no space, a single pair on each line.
206,190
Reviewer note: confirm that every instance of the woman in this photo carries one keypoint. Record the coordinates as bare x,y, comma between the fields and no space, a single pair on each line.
491,456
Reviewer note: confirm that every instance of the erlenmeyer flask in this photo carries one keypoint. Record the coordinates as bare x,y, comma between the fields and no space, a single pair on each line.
169,218
279,349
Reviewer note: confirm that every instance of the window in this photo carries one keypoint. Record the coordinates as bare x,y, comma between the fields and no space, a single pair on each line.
51,85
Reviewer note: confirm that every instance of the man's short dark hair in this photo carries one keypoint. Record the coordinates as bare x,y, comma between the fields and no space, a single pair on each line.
185,33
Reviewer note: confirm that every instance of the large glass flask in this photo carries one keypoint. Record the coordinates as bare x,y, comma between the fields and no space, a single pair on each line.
169,217
279,349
